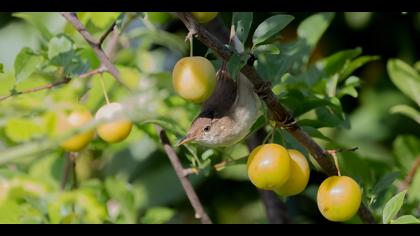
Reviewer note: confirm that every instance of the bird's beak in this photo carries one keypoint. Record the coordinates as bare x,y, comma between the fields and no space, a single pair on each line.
186,139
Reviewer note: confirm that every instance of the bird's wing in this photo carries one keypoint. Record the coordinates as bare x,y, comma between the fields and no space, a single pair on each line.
223,96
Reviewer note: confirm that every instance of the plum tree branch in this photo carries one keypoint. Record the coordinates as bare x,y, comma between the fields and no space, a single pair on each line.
52,85
410,176
71,17
186,184
281,115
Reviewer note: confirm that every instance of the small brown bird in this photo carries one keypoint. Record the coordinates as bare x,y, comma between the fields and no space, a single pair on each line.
227,115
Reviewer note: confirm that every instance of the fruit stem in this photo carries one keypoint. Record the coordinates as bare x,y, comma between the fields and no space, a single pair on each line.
334,155
101,78
191,46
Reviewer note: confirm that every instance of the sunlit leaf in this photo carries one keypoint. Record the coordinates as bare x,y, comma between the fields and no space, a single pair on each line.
34,20
26,63
312,28
20,130
157,215
406,219
406,78
408,111
392,207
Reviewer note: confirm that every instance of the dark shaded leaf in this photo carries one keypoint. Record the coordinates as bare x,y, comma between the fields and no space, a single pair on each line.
242,22
270,27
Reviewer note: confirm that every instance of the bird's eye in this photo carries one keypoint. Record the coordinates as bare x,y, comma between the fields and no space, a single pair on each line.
207,128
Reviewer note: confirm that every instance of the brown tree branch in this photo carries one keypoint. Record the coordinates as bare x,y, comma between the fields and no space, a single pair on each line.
281,115
52,85
71,17
411,173
186,184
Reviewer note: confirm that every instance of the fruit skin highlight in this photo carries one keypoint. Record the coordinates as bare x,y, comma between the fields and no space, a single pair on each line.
75,119
194,78
269,166
204,17
299,175
339,198
114,131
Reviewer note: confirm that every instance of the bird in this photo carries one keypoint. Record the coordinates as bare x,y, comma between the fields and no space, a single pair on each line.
227,116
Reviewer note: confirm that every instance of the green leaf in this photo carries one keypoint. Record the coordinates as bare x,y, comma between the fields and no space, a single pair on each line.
295,54
21,130
59,45
26,63
312,28
417,66
157,215
234,65
119,21
392,207
325,69
10,212
349,87
408,111
406,78
99,19
208,153
1,68
34,20
242,22
385,182
315,133
357,63
406,149
406,219
267,49
348,90
78,206
270,27
335,63
300,103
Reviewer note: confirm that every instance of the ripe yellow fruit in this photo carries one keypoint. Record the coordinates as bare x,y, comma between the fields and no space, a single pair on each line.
299,175
269,166
204,17
194,78
113,131
76,119
339,198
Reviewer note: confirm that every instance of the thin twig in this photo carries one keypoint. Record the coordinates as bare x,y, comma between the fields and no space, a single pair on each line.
107,32
410,176
71,17
280,114
52,85
186,184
